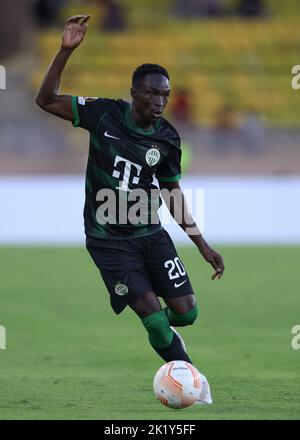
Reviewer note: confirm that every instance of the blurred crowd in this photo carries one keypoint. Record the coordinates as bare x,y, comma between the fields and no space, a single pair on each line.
232,127
114,16
47,11
219,8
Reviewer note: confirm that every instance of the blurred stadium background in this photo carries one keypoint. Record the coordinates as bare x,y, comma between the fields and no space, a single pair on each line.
232,102
230,63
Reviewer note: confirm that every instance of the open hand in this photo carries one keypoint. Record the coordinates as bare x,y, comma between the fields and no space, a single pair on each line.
74,32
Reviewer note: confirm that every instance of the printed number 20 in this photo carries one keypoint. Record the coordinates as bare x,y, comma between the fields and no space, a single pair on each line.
172,265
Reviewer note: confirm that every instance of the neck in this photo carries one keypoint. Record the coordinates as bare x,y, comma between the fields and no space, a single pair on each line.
138,119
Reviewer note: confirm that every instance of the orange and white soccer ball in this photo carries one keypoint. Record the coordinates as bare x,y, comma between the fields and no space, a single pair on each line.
178,384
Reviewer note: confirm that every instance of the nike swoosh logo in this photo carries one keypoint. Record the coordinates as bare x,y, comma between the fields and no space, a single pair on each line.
110,136
180,284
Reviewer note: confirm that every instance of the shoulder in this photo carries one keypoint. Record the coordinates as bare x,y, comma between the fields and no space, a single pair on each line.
116,107
99,102
170,133
116,104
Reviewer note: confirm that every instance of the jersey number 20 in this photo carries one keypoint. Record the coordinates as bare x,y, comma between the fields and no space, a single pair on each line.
172,265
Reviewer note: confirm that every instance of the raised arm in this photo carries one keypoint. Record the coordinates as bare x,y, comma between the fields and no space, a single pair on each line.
175,201
48,97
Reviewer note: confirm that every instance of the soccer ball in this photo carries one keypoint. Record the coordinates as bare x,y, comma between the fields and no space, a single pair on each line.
177,384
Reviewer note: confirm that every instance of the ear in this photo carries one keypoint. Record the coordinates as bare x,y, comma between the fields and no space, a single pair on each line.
132,92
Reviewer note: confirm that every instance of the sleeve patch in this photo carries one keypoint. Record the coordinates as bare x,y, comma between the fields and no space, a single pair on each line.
83,99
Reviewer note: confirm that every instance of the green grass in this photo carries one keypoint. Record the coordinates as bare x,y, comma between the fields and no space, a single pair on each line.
69,357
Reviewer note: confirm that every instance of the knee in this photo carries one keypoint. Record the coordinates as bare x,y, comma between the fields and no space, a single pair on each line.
158,328
190,317
183,319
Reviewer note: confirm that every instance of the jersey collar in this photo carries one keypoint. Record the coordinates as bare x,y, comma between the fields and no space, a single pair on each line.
132,125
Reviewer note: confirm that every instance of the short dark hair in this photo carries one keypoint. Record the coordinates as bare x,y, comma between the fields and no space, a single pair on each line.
148,69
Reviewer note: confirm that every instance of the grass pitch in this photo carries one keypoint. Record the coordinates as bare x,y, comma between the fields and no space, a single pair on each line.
69,356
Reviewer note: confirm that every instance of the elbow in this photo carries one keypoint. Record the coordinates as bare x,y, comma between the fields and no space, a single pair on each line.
39,102
43,102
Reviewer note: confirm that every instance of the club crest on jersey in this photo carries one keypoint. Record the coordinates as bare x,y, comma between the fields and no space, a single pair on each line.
153,156
121,289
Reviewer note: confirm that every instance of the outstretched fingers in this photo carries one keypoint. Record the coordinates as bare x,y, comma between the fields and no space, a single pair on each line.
81,19
86,19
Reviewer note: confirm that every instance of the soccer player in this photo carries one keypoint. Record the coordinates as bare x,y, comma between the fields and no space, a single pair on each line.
129,145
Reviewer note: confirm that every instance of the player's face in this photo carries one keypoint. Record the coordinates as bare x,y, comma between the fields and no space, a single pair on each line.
151,97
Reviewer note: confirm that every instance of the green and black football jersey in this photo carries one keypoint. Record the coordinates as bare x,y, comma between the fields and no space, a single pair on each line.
121,199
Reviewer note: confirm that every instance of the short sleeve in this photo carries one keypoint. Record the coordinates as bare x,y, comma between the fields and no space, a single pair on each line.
170,170
88,111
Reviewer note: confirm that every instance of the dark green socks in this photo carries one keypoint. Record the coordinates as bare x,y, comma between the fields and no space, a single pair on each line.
182,319
162,338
